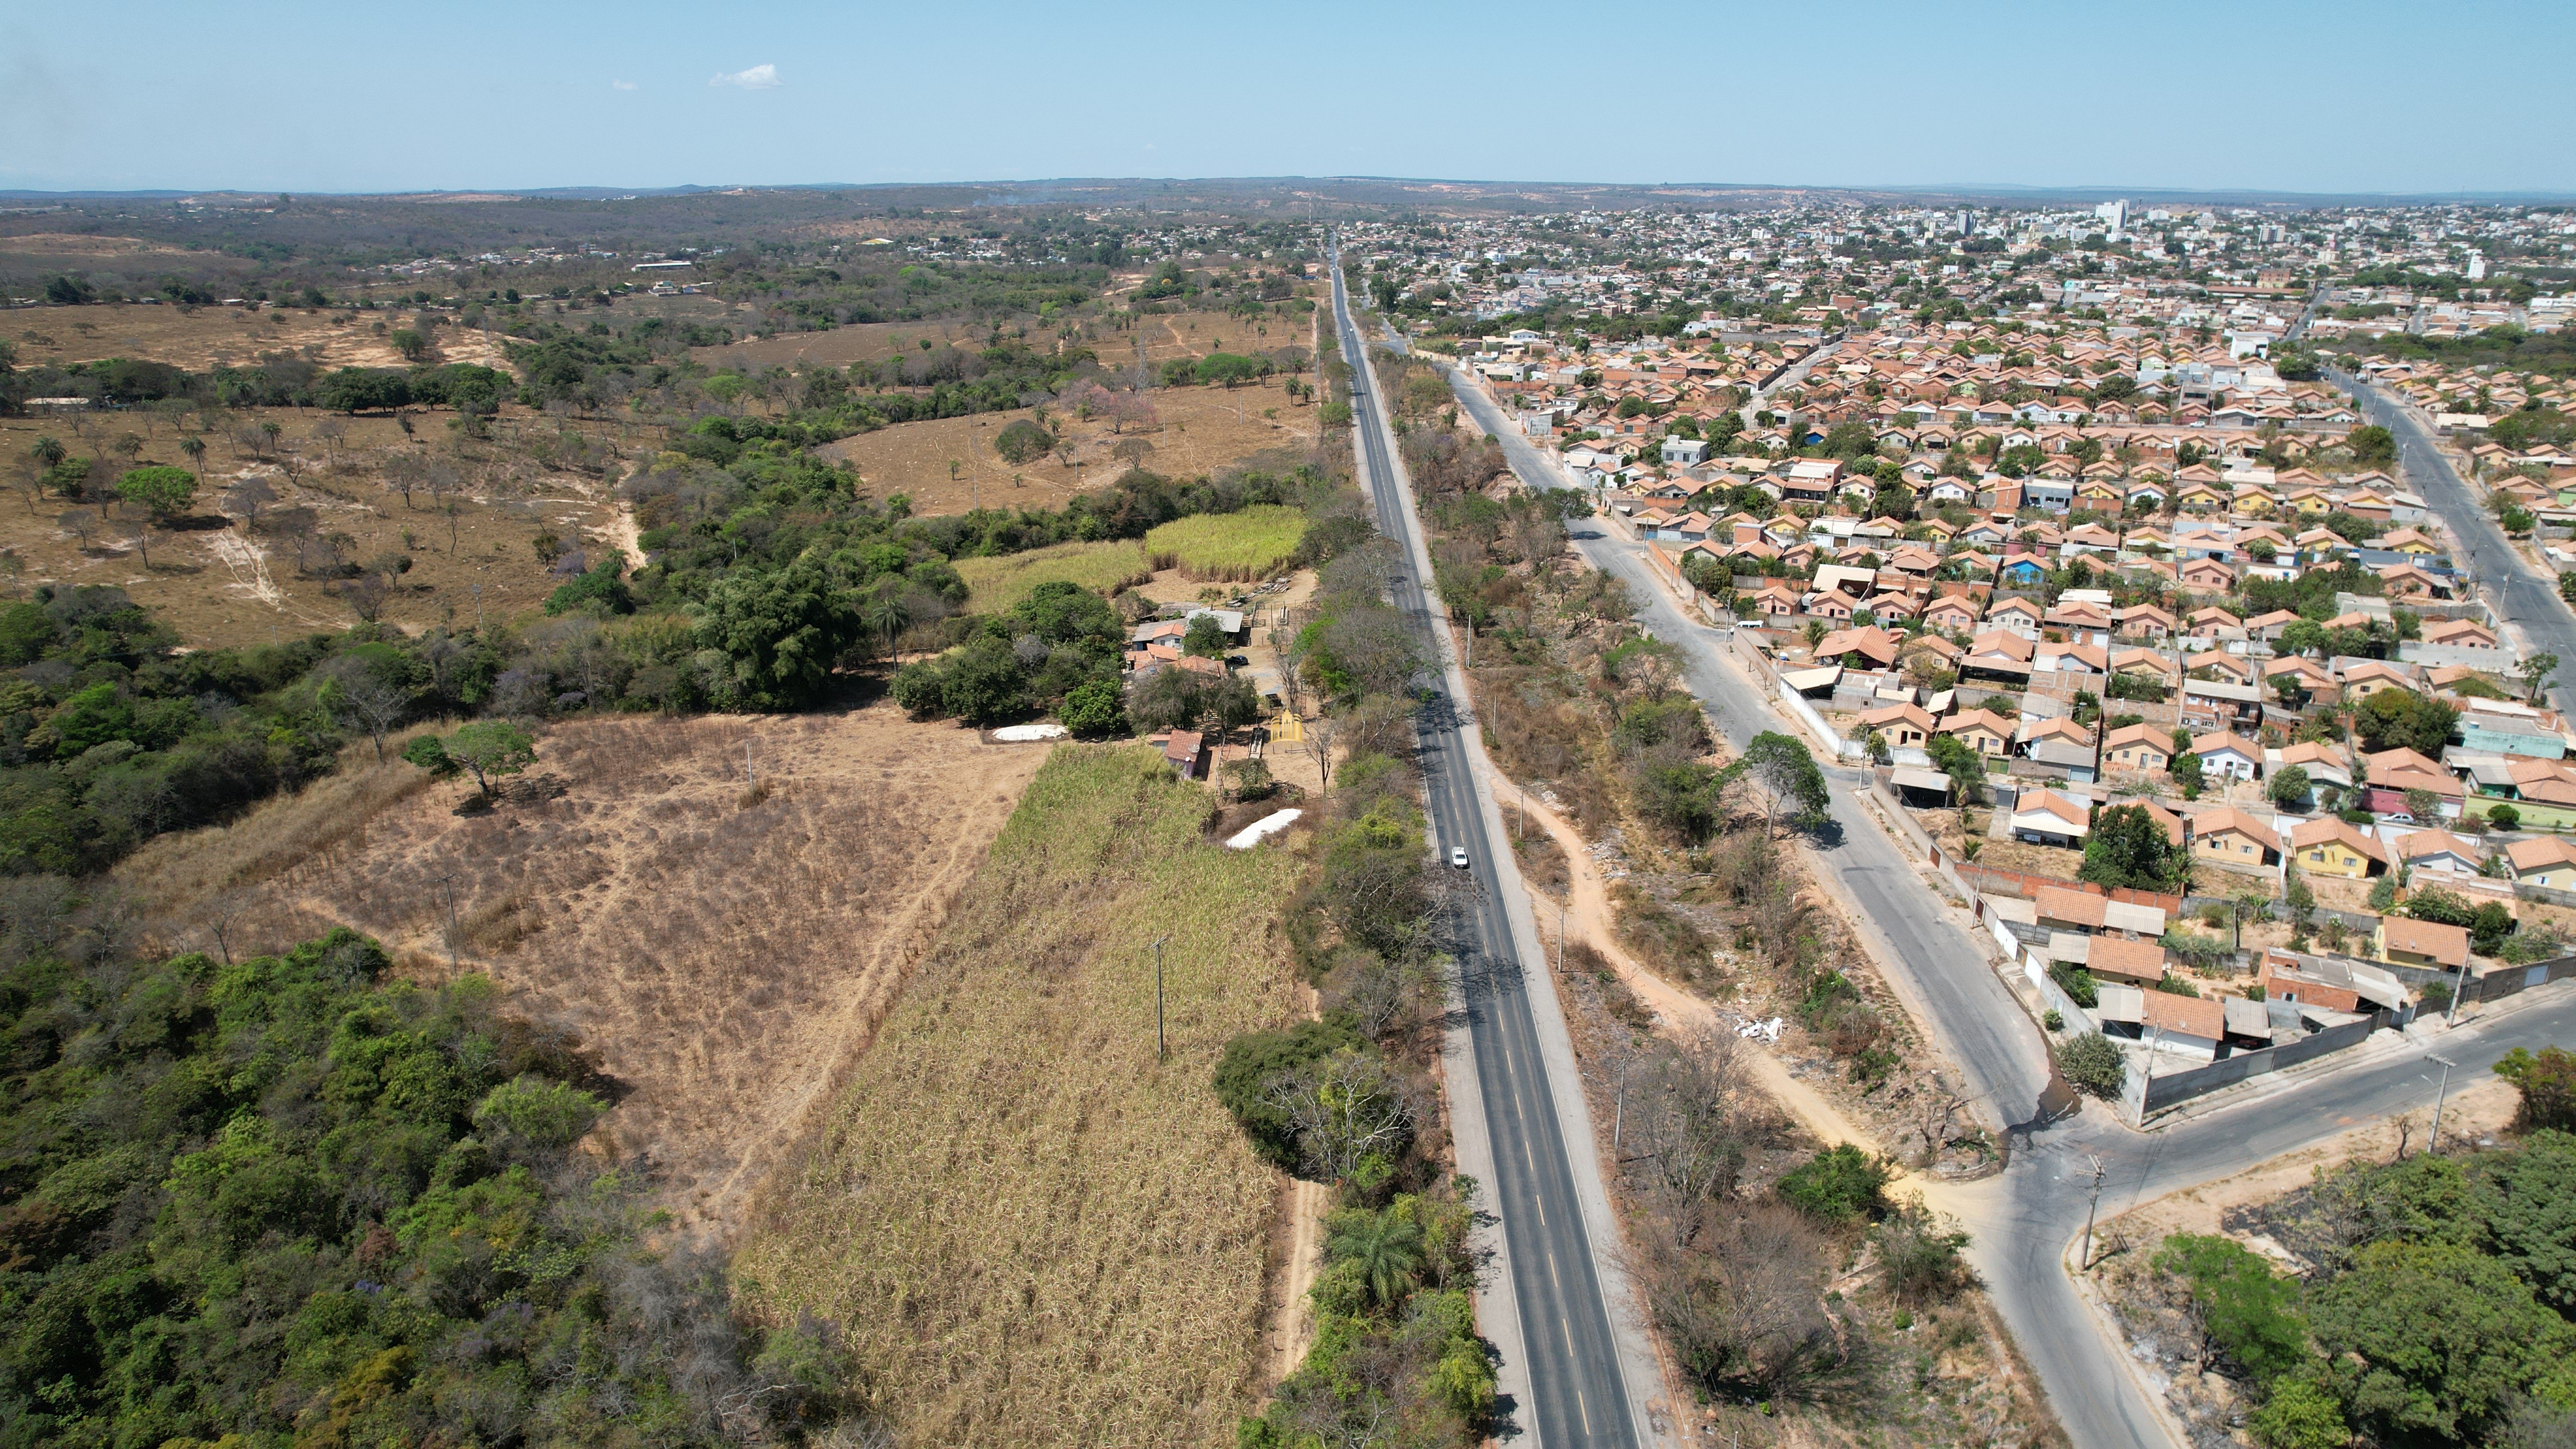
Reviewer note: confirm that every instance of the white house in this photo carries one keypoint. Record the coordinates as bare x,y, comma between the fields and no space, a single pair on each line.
2044,817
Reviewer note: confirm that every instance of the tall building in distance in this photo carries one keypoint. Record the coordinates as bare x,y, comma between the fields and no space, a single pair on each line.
2115,214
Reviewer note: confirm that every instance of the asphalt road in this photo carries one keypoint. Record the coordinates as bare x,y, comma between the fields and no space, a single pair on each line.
2523,595
1577,1395
2027,1218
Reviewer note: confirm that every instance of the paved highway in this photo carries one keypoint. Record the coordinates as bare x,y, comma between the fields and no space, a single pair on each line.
1544,1185
2025,1219
2523,595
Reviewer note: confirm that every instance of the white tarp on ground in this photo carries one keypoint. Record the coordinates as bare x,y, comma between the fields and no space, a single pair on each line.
1261,830
1017,734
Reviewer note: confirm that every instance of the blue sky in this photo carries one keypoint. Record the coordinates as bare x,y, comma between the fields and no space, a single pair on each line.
297,96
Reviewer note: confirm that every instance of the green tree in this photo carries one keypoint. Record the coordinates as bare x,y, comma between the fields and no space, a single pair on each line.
2547,1081
1204,638
490,749
1094,707
2289,787
49,453
2528,1199
1785,775
2129,847
1838,1184
886,613
783,628
2091,1064
2432,1340
2242,1309
2299,1415
164,490
1227,369
2535,674
2372,445
1021,442
983,683
1383,1249
2186,772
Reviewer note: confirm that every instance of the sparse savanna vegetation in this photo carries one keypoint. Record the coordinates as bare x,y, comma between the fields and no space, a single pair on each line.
1254,543
725,946
1032,1230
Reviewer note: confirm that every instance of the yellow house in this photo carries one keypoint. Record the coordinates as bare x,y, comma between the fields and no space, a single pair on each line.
2229,837
2547,861
2329,845
2404,941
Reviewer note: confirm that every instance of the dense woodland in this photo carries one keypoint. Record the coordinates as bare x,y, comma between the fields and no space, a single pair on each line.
282,1199
2439,1301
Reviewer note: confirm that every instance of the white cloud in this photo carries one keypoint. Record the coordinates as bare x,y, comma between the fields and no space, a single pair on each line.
757,78
625,85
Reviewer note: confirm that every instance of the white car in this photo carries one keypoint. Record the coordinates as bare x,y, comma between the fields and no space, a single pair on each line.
1458,856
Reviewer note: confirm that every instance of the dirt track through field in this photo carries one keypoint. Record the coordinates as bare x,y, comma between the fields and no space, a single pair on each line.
1588,919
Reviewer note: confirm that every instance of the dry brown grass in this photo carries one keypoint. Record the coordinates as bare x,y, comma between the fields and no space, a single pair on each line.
725,958
199,338
1032,1232
1200,434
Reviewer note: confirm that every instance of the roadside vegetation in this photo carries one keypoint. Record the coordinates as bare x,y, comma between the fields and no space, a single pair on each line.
1351,1100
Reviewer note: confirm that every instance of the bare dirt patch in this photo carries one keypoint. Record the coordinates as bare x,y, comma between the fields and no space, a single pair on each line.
726,959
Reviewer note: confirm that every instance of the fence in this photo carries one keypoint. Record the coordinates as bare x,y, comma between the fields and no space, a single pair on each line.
2514,980
2167,1089
2024,883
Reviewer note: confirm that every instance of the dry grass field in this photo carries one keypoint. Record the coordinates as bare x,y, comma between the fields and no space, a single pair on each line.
199,338
223,585
1203,429
1031,1231
726,957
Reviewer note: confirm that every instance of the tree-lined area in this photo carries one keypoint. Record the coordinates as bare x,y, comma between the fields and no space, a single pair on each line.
287,1199
2433,1299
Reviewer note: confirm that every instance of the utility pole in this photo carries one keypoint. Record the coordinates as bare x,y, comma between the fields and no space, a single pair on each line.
2451,1013
749,779
1158,999
2084,1261
2433,1139
447,882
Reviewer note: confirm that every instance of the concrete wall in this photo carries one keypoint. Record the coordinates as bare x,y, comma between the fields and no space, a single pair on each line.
2173,1088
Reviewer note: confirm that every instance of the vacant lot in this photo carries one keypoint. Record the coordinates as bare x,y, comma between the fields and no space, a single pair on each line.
1033,1232
995,584
726,959
219,583
1202,430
